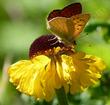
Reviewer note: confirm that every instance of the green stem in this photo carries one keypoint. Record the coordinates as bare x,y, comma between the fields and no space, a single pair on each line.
61,95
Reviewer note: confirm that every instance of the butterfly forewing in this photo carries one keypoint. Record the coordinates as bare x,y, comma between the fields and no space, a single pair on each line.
68,27
79,21
58,26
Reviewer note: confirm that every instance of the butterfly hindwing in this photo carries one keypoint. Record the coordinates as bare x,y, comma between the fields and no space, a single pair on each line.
53,14
72,9
68,11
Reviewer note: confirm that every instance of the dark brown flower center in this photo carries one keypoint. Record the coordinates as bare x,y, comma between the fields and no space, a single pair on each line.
45,44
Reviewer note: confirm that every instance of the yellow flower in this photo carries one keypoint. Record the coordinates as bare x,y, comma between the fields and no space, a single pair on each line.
53,65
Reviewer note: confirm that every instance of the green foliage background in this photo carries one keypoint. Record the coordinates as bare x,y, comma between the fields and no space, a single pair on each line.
22,21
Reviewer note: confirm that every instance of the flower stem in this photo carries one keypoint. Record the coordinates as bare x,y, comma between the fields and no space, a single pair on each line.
61,95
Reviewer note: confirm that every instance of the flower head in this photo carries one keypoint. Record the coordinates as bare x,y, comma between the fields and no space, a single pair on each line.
54,64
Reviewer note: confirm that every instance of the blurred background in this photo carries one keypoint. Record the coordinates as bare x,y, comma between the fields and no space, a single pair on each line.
22,21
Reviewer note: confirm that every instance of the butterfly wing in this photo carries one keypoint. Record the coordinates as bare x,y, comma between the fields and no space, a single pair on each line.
79,21
72,9
53,14
68,27
67,12
58,26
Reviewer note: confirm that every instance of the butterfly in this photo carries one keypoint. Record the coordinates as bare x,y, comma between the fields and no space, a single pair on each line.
68,22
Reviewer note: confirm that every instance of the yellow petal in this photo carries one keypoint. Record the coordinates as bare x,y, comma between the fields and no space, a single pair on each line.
26,75
88,71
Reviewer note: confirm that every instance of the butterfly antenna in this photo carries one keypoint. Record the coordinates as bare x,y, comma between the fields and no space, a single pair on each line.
86,40
83,36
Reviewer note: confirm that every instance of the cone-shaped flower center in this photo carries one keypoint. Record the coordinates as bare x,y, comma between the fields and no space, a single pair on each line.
47,45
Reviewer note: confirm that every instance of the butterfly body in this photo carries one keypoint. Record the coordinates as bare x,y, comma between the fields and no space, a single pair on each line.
68,23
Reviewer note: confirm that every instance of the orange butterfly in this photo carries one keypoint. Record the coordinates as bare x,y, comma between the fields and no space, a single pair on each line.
68,23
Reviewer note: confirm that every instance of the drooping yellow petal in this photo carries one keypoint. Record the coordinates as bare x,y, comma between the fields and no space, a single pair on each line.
26,75
79,70
88,71
50,80
40,76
